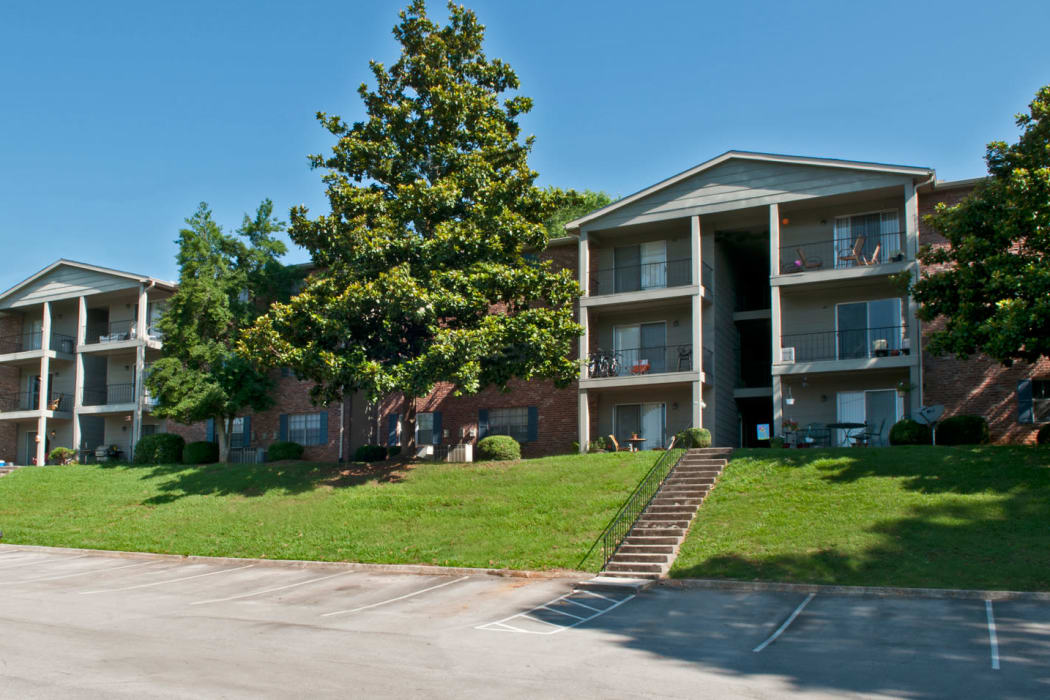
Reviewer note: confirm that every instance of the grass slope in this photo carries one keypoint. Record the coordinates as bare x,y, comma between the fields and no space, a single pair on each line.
946,517
535,514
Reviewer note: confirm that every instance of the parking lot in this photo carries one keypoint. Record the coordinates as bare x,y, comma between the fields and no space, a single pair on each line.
91,625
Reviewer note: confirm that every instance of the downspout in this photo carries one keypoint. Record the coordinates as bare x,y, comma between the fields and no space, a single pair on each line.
922,369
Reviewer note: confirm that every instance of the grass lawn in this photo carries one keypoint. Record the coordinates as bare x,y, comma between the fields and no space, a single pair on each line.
533,514
946,517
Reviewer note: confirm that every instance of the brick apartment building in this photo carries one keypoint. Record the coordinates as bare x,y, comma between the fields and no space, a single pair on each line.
748,291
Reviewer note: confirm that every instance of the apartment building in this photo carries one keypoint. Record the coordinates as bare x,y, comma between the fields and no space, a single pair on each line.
76,341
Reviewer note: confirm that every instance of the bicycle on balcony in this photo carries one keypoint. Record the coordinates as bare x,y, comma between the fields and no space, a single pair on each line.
603,363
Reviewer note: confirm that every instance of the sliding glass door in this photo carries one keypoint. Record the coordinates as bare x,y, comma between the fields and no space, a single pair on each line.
868,328
641,348
646,420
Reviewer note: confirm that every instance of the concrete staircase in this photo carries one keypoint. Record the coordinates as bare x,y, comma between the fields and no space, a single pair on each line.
7,469
652,544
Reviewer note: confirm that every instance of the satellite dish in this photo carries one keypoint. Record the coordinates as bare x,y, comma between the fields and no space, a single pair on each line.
930,414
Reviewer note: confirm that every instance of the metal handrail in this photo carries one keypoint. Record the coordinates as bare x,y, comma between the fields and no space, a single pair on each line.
109,394
623,522
837,253
848,343
625,362
20,342
633,278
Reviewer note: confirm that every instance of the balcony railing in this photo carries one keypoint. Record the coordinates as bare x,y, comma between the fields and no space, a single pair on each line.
117,331
628,362
30,401
34,341
634,278
842,253
844,344
109,394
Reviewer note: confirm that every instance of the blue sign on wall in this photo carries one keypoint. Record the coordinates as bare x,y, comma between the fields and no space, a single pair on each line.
763,431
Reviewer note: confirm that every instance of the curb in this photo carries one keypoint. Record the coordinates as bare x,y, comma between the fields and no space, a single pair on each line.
419,569
857,591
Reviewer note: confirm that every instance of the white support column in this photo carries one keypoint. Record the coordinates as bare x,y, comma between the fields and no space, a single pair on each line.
78,371
140,366
774,313
914,333
697,331
584,421
44,391
911,220
585,264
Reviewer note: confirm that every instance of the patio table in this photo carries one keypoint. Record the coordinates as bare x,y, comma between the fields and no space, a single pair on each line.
848,427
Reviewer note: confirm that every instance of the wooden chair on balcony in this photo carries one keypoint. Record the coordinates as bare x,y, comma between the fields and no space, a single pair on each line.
53,405
874,259
813,263
856,254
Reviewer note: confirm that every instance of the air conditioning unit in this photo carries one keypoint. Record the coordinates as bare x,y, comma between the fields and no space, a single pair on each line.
787,356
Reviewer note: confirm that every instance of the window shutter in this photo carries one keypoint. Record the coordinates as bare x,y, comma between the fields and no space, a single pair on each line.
324,427
483,422
1025,406
246,431
210,430
534,420
282,429
391,429
437,428
286,371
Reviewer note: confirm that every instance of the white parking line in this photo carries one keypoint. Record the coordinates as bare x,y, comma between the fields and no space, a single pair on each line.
269,590
993,639
40,561
498,625
161,583
393,600
787,622
80,573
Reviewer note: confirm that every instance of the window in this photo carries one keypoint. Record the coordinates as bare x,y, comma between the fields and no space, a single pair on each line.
509,421
148,429
1041,400
879,229
641,266
305,429
425,429
237,433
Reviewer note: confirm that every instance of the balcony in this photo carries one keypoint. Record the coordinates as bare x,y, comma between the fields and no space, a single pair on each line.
853,348
30,401
664,364
857,256
28,342
109,395
116,332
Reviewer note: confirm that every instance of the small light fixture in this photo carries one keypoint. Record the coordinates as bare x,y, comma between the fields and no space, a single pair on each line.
675,323
789,399
52,434
785,221
674,405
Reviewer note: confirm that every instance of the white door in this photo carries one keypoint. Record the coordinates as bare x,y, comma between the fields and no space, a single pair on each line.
627,342
654,264
851,409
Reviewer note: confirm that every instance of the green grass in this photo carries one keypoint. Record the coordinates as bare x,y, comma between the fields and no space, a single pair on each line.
534,514
945,517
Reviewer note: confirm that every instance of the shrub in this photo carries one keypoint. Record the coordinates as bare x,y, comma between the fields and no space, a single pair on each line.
393,451
909,432
693,437
160,448
63,455
284,450
497,448
597,445
370,453
1043,436
963,430
200,453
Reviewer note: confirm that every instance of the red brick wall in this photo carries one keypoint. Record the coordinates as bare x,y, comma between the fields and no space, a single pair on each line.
9,325
979,385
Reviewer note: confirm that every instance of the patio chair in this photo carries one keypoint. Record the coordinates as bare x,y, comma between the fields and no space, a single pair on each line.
855,254
874,259
611,439
816,435
685,359
809,263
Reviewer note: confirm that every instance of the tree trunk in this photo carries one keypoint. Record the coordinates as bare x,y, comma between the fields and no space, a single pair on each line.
409,438
223,436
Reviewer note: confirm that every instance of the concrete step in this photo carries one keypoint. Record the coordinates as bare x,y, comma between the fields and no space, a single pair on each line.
616,584
698,462
657,509
665,519
710,451
691,501
648,541
625,557
672,533
634,566
646,548
631,574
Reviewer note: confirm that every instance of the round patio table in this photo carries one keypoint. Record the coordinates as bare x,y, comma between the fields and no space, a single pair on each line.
636,443
848,427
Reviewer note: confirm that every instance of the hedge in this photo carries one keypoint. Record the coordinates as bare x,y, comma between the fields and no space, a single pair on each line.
200,453
498,448
283,450
159,448
1043,436
370,453
909,432
693,437
963,430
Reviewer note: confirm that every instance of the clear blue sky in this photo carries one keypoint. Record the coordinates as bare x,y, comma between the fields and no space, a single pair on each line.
117,118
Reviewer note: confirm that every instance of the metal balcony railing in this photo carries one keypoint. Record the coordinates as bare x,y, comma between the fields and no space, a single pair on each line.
633,278
30,401
844,344
34,341
109,394
117,331
842,253
628,362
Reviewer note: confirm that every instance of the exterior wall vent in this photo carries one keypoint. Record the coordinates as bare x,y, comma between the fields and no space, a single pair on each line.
787,356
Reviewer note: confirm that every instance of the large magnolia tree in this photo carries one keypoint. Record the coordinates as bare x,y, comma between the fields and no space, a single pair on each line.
426,266
991,283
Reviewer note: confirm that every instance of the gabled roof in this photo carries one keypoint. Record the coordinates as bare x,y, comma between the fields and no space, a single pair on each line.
914,171
62,262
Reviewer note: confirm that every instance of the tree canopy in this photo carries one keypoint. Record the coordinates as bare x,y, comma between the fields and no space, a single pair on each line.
991,282
225,282
425,264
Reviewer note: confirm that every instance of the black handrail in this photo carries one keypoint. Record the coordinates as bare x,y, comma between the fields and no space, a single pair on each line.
623,522
633,278
625,362
839,253
848,343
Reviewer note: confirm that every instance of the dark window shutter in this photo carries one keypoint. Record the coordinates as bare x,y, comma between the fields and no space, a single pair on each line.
210,430
391,429
534,423
324,428
437,428
282,427
1025,408
246,432
483,422
286,371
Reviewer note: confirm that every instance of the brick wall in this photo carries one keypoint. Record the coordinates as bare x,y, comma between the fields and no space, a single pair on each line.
9,325
978,385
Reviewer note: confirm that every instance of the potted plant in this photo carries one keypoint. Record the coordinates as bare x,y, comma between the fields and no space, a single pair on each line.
896,256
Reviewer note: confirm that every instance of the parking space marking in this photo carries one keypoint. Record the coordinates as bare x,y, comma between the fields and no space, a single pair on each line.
993,639
270,590
787,623
40,561
171,580
393,600
79,573
502,626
